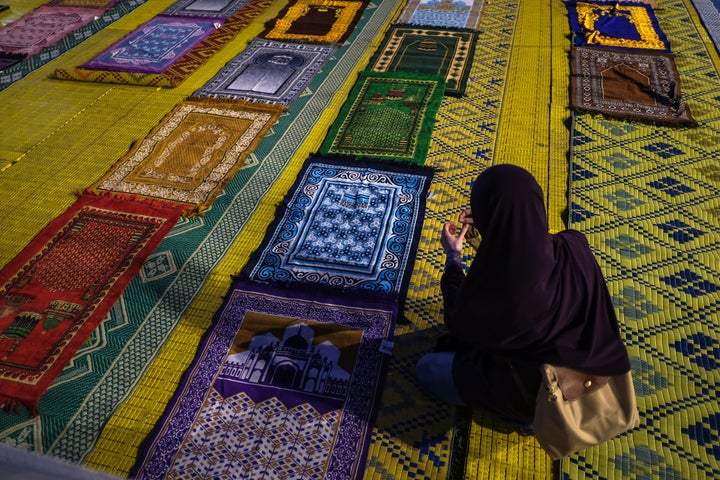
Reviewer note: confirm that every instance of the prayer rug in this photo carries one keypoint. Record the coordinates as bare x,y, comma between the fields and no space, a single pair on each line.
346,225
616,25
43,27
184,66
446,52
13,73
59,288
709,12
636,85
268,71
283,386
205,8
193,152
154,46
387,115
442,13
322,21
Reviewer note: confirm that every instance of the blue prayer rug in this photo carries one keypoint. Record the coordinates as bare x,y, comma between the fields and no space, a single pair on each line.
614,25
268,71
346,225
284,385
205,8
709,12
442,13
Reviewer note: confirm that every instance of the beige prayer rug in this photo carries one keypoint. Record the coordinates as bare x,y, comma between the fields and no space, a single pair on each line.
632,85
193,152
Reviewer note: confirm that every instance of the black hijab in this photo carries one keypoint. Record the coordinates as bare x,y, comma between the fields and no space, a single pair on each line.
531,294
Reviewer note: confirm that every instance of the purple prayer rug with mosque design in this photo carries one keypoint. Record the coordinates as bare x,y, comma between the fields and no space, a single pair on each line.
347,225
156,45
284,385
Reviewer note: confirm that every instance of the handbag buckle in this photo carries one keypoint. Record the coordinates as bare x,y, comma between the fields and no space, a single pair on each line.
552,396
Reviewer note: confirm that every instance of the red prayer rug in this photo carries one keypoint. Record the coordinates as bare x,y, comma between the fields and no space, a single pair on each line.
61,286
43,27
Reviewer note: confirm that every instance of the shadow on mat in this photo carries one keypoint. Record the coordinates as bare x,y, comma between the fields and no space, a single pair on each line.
410,418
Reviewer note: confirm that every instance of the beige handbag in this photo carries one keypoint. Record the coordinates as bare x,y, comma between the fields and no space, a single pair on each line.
574,410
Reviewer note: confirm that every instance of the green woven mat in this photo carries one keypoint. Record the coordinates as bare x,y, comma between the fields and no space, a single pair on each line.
648,197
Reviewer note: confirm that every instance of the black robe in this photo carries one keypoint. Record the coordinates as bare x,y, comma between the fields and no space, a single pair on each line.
530,297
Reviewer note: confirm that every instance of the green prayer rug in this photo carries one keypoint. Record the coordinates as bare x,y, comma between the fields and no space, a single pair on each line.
439,51
387,115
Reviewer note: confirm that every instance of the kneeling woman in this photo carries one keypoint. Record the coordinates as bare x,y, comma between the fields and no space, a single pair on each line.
530,297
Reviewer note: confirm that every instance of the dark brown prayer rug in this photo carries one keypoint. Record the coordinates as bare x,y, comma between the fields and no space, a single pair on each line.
636,85
321,21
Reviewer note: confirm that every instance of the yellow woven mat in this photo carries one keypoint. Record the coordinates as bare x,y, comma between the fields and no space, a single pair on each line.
531,131
514,112
61,136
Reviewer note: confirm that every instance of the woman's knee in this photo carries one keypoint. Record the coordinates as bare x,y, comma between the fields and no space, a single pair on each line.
434,374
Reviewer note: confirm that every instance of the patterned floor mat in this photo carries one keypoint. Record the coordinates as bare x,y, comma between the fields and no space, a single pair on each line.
647,197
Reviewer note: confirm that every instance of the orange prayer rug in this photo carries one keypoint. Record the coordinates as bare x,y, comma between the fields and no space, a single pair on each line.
62,285
322,21
193,152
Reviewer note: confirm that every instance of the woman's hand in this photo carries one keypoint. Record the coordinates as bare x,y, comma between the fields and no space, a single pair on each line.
472,236
451,239
466,217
